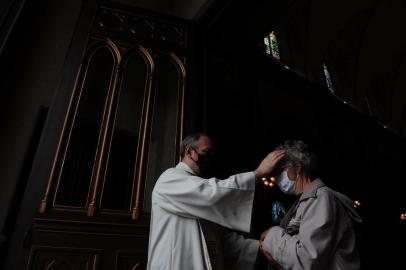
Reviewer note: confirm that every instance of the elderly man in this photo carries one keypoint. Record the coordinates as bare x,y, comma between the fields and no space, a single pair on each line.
317,232
181,200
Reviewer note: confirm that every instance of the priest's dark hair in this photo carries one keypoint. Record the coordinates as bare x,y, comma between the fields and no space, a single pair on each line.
190,140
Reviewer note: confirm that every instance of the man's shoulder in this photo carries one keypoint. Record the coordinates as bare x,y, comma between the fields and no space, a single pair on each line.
325,191
168,172
171,173
175,170
164,177
325,194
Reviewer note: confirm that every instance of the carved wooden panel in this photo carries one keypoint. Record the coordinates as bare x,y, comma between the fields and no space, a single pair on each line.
119,184
124,122
130,26
61,258
78,161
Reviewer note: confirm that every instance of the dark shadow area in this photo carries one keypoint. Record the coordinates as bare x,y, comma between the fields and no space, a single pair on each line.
255,103
22,182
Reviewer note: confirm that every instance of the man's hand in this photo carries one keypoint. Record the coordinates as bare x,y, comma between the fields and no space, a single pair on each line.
267,254
268,164
262,238
261,246
263,235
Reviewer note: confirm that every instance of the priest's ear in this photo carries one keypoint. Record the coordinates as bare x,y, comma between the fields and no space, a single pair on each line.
188,151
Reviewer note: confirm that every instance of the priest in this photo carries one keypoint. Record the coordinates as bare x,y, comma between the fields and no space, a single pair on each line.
183,203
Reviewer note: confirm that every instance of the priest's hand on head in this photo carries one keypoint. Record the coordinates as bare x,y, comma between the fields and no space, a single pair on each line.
269,163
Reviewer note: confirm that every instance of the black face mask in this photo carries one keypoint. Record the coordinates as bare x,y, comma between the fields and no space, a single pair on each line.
205,163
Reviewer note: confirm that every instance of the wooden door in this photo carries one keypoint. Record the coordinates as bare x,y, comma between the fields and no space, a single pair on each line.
112,129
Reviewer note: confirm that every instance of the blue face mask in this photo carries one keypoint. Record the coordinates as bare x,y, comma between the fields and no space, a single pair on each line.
285,184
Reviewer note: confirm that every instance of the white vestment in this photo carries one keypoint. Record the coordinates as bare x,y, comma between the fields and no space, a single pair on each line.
179,200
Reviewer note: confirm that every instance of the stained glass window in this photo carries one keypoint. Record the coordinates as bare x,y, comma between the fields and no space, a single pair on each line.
328,78
271,46
274,45
267,46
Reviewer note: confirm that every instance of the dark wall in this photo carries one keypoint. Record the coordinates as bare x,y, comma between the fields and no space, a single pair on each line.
254,104
30,66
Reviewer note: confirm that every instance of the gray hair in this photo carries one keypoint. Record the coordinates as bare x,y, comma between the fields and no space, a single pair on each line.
299,152
190,140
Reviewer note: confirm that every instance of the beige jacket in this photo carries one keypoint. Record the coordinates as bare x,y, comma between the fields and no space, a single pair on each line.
325,239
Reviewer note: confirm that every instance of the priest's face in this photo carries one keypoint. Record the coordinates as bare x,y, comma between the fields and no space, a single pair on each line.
202,156
205,146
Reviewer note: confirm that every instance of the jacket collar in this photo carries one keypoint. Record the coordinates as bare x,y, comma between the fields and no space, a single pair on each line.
183,166
311,190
